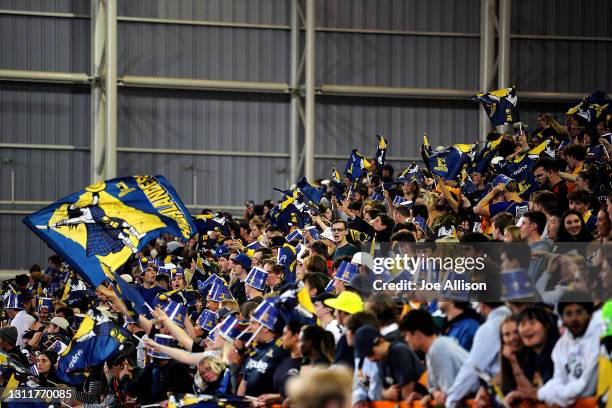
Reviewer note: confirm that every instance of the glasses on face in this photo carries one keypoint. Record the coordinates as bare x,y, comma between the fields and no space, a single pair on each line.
338,230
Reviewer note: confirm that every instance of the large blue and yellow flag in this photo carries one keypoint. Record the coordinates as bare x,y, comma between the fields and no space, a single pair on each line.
447,163
592,108
105,223
483,158
312,193
501,105
97,340
381,151
212,222
356,166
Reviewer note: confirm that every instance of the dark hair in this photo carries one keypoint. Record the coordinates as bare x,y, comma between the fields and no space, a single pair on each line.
317,281
66,311
547,164
520,251
389,168
322,340
362,191
22,280
402,236
546,199
356,320
384,309
580,195
565,236
315,263
386,220
537,218
355,205
266,252
420,210
403,211
55,259
319,248
294,326
418,320
339,221
35,268
51,355
547,320
473,237
577,151
575,296
503,220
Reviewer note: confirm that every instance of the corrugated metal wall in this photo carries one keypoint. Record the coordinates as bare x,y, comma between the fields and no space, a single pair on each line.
56,114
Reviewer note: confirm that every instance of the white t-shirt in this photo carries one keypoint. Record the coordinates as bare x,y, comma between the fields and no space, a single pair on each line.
22,321
334,328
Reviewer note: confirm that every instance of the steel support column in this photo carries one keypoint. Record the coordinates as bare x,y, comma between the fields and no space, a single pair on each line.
110,145
503,37
103,90
487,58
309,142
294,84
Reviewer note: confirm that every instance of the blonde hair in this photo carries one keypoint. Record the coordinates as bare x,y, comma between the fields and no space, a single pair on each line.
515,232
231,305
429,199
216,365
316,387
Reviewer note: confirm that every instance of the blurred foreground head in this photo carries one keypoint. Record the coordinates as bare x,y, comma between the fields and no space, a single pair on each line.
321,388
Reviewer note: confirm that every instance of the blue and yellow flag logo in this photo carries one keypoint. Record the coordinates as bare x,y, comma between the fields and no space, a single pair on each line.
103,224
501,105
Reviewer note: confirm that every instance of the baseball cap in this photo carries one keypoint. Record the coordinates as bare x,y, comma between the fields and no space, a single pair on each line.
346,301
363,258
60,322
364,340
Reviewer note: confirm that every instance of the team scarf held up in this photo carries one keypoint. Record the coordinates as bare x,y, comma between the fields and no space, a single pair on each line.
99,227
501,105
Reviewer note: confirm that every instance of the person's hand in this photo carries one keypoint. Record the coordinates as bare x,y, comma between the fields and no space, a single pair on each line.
527,390
387,195
439,397
499,188
392,393
512,397
307,235
413,396
267,398
160,315
508,353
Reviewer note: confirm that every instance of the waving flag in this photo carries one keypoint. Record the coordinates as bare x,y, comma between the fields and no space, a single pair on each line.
410,174
131,297
592,108
337,184
484,157
501,105
311,192
97,340
447,163
107,222
289,213
381,151
212,222
356,166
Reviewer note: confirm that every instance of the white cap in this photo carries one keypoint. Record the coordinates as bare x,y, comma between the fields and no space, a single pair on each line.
363,258
60,322
172,246
327,234
127,278
496,160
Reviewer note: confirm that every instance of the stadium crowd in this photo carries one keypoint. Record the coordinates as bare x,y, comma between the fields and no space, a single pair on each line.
256,309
